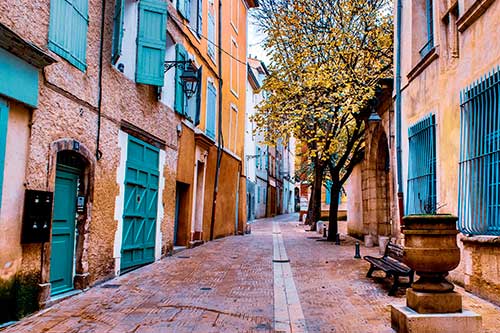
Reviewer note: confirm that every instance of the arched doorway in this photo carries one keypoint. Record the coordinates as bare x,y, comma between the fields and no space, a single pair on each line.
376,191
65,258
69,202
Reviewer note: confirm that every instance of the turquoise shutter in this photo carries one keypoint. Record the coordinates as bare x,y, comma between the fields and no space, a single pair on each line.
211,106
184,6
117,30
151,42
68,30
180,55
211,35
200,17
4,119
198,99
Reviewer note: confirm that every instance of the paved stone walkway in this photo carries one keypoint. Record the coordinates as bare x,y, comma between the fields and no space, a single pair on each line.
228,286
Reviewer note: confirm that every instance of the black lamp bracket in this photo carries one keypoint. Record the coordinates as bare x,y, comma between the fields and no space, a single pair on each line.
178,64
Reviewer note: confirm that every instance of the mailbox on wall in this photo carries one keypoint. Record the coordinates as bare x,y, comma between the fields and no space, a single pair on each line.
37,216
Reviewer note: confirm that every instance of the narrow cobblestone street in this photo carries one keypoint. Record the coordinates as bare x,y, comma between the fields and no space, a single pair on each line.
212,288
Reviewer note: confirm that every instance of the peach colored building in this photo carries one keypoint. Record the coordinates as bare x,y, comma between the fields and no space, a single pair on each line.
449,97
92,137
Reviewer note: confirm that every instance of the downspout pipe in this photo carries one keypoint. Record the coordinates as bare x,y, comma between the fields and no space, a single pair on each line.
220,142
399,20
98,153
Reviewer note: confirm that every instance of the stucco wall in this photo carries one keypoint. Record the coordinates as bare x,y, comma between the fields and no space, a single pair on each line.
436,89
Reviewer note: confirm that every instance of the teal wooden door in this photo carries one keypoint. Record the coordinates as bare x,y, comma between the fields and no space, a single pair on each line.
140,206
63,230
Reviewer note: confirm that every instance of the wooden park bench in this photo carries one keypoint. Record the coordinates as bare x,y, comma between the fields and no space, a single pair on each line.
392,264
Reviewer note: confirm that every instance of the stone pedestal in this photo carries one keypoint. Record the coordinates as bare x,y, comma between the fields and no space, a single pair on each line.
450,302
406,320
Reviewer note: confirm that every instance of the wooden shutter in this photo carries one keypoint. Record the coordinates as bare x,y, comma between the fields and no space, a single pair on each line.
184,8
211,35
180,55
151,42
68,30
198,98
4,119
117,30
211,106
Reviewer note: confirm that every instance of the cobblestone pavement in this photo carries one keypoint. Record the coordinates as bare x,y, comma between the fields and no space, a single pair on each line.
172,296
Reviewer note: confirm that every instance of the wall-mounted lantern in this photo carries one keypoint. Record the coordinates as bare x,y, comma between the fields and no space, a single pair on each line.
189,76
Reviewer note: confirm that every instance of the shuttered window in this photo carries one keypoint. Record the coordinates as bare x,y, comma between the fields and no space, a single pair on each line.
117,30
211,110
184,8
211,35
479,169
68,30
151,42
180,105
422,167
198,98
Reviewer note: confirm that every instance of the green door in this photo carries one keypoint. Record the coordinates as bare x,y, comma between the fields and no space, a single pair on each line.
141,198
63,230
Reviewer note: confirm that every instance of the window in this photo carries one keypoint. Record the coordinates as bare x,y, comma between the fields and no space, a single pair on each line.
235,11
233,128
211,110
328,192
211,31
184,8
258,194
180,98
234,70
142,24
429,41
196,17
479,168
68,26
450,24
422,167
193,104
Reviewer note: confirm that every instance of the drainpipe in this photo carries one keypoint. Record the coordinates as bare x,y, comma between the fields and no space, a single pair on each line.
398,110
98,153
219,129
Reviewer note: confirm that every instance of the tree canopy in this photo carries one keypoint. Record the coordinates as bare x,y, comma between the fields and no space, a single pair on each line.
327,60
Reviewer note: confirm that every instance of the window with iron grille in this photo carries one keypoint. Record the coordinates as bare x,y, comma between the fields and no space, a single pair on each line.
421,197
479,168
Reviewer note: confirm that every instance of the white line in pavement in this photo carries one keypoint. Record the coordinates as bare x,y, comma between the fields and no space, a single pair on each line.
288,315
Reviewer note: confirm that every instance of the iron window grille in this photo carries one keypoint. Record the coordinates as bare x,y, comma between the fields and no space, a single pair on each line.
422,167
479,167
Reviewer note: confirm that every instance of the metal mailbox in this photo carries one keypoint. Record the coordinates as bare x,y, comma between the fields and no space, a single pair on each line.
37,216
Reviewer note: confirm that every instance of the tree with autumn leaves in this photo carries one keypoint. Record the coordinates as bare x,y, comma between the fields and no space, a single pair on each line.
327,60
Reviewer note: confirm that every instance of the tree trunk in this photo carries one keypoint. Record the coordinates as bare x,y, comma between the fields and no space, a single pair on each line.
333,228
309,208
315,210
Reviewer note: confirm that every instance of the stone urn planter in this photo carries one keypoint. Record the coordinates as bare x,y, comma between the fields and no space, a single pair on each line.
431,250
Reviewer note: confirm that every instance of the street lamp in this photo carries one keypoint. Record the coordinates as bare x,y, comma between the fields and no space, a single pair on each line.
374,117
189,77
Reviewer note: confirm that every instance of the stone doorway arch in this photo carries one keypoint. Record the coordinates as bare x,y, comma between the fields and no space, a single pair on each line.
71,152
376,189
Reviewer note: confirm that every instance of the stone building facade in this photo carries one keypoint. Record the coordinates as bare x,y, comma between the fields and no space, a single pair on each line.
371,204
90,126
450,88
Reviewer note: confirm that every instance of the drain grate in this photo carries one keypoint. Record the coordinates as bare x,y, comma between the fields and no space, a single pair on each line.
205,288
183,257
111,286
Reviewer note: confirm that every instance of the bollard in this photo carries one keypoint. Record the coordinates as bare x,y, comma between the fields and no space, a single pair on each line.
357,255
337,239
325,230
